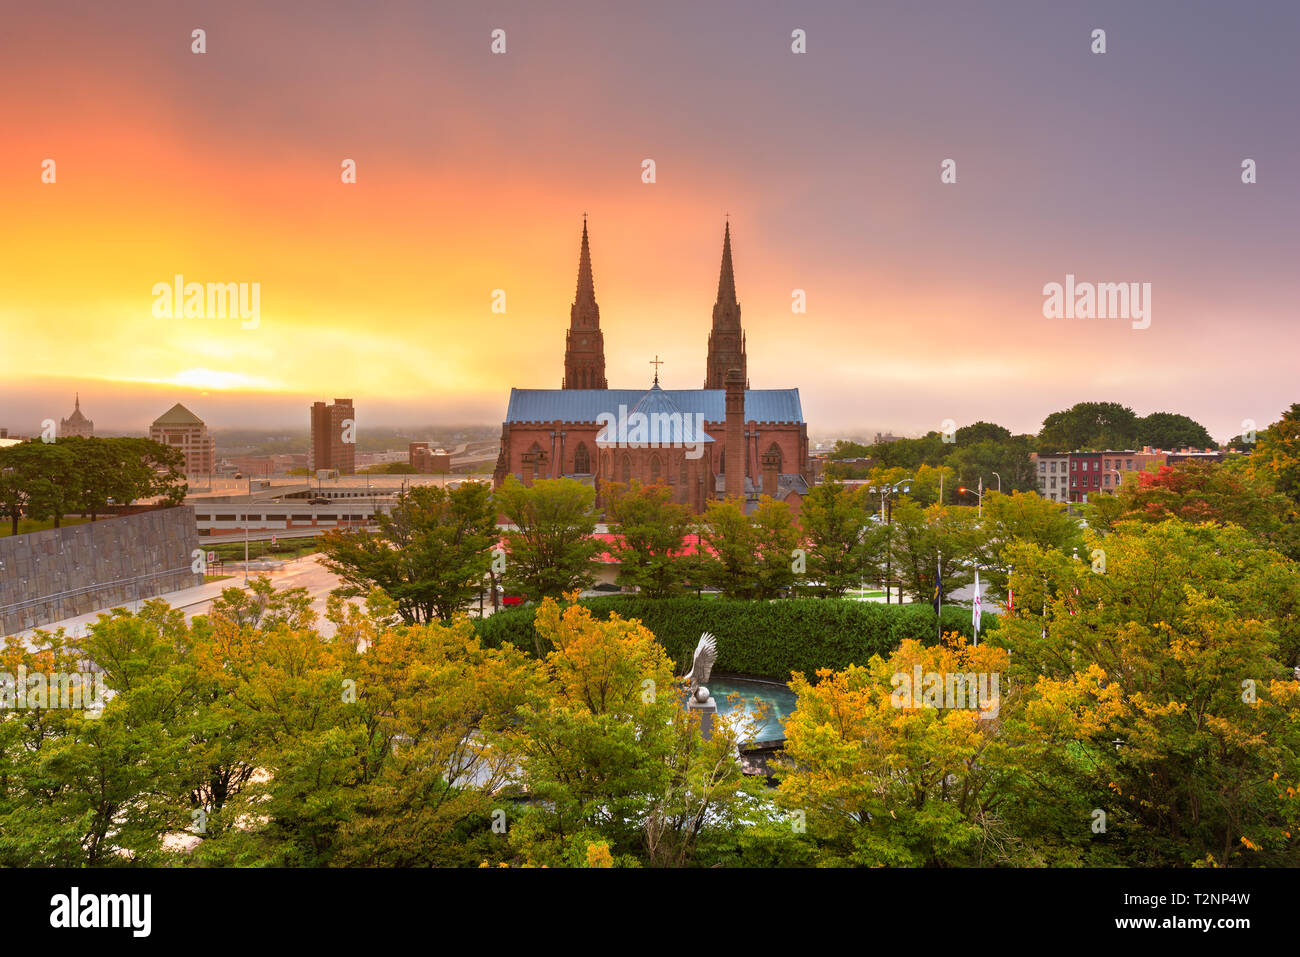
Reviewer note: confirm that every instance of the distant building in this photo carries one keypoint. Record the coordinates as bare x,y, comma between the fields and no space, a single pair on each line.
180,428
1052,471
76,424
424,460
1105,471
1196,455
332,445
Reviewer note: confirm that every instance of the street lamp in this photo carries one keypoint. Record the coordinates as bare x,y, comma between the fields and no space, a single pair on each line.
978,494
999,483
887,493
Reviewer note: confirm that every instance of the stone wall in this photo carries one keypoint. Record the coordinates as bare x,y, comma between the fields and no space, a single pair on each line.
61,572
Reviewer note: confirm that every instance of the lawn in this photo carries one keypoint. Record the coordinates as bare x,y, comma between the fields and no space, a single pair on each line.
27,525
289,548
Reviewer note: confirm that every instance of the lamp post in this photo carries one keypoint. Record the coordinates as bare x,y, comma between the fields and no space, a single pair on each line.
887,493
978,494
1119,478
999,483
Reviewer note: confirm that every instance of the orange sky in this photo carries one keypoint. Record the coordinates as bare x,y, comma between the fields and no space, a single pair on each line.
924,301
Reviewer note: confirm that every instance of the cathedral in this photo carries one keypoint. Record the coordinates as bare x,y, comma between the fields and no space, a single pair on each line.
725,440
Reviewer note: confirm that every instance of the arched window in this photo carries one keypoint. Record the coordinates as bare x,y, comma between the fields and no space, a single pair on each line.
627,467
776,449
655,470
722,461
582,459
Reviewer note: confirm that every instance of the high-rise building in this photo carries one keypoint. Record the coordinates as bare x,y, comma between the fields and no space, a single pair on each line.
76,424
180,428
333,445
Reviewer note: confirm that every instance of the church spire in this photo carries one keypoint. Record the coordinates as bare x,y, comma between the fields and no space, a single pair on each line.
584,345
727,337
586,286
727,277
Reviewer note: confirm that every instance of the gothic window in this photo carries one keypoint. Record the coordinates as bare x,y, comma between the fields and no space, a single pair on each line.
655,476
627,467
582,459
722,461
774,448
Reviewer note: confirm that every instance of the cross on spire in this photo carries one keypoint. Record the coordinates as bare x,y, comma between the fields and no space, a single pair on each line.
656,362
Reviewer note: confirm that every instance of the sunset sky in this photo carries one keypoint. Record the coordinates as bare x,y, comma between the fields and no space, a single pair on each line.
925,300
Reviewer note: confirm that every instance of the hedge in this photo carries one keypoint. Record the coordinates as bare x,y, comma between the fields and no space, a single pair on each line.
758,638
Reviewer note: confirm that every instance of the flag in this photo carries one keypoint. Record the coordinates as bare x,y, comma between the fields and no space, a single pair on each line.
975,608
937,602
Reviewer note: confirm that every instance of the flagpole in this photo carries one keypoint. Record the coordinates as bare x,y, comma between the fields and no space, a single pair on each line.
938,592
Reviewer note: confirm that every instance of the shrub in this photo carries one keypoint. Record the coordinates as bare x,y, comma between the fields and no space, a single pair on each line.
765,639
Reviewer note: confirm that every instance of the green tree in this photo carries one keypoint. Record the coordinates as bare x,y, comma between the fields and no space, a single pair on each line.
1089,425
1160,687
1169,430
430,553
923,539
550,543
843,541
652,529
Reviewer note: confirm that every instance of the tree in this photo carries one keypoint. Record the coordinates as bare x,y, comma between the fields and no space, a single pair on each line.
609,754
890,774
1160,686
842,540
752,556
1169,430
550,545
922,540
1008,458
1021,517
1089,425
652,529
1277,454
430,553
981,432
1201,492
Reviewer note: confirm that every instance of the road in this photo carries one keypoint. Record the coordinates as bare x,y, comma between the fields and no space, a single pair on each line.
306,572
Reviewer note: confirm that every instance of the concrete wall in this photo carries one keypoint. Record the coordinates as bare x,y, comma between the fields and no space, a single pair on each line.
61,572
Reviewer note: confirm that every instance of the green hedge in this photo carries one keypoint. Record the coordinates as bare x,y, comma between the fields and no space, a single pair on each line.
757,638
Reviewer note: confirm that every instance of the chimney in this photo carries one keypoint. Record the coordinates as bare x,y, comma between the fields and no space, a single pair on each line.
771,465
735,451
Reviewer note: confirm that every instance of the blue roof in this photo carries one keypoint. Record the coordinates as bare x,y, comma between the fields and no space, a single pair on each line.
584,405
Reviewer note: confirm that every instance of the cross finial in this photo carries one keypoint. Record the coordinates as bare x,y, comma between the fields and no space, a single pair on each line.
656,362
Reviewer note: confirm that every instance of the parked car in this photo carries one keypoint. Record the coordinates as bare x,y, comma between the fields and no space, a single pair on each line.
319,500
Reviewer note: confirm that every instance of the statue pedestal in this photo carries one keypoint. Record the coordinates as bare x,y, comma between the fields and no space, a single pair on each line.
706,712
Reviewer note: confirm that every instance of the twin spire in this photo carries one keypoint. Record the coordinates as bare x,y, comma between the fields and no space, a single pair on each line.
584,350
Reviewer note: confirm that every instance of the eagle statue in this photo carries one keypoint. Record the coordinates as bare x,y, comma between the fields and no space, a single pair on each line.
706,653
